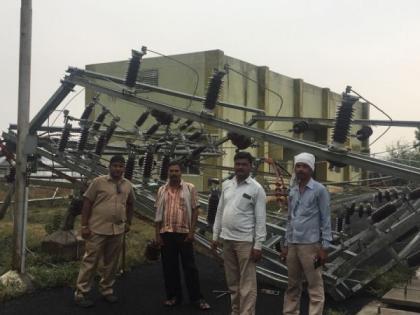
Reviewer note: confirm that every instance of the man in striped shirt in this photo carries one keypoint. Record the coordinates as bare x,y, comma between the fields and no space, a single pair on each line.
176,217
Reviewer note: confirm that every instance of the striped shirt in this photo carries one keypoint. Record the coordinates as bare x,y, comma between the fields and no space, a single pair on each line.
175,216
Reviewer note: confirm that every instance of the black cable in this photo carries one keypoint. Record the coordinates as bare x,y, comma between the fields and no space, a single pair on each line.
67,104
265,88
370,103
185,65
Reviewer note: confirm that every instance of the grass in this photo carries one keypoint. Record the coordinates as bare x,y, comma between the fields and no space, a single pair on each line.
47,270
397,276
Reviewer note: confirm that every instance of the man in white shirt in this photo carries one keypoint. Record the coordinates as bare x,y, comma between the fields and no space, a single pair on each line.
240,222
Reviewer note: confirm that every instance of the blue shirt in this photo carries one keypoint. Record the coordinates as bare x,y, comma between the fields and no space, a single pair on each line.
309,218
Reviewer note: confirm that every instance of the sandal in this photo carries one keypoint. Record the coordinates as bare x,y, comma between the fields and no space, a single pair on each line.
171,302
202,305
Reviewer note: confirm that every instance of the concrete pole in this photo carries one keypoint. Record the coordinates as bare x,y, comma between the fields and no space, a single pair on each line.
21,201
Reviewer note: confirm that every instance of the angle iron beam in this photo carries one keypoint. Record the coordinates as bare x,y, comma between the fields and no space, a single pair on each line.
329,122
153,88
320,151
55,100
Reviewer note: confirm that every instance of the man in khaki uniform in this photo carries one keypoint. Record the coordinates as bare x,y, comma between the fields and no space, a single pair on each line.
106,215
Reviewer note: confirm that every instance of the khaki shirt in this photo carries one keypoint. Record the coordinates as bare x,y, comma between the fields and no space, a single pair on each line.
109,213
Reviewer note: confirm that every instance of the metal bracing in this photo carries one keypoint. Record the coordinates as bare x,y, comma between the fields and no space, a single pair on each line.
320,151
348,268
329,122
153,88
59,95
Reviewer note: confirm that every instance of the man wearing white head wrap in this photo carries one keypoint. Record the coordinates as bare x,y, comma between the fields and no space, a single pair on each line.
308,236
306,158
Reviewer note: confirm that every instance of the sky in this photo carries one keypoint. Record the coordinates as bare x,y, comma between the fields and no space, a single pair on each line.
372,45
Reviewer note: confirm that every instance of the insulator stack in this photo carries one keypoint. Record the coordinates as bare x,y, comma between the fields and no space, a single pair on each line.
88,110
162,117
195,136
383,212
152,129
364,133
213,90
129,166
33,163
164,167
84,135
414,259
360,210
110,130
343,121
10,178
140,121
133,68
100,119
190,129
300,127
148,164
339,224
347,220
185,124
415,194
394,193
350,210
141,161
64,138
335,164
387,195
369,210
75,206
380,196
213,202
100,145
157,147
197,151
240,141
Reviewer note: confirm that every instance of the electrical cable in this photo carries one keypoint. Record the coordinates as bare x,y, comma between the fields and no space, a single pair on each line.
228,67
379,109
185,65
65,106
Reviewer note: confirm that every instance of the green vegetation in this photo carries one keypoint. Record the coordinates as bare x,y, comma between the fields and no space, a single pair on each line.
330,311
47,270
397,276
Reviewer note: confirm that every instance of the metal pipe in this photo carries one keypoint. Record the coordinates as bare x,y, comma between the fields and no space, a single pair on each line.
19,226
320,151
158,89
329,122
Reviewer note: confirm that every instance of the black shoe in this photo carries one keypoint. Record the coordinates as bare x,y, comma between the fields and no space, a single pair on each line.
110,298
83,302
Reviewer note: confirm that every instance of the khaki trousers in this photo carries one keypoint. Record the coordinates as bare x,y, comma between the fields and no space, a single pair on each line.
241,276
104,248
300,263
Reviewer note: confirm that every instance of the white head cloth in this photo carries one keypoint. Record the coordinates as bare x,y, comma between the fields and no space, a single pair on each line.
306,158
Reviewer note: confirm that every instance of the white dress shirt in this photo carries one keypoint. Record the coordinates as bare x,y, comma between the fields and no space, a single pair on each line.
241,213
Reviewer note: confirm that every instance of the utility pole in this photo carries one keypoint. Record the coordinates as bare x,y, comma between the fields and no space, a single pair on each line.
21,196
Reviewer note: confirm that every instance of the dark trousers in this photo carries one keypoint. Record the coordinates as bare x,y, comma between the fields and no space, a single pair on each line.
174,247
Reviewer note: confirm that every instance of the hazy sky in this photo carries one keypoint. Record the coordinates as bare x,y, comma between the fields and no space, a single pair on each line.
373,46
